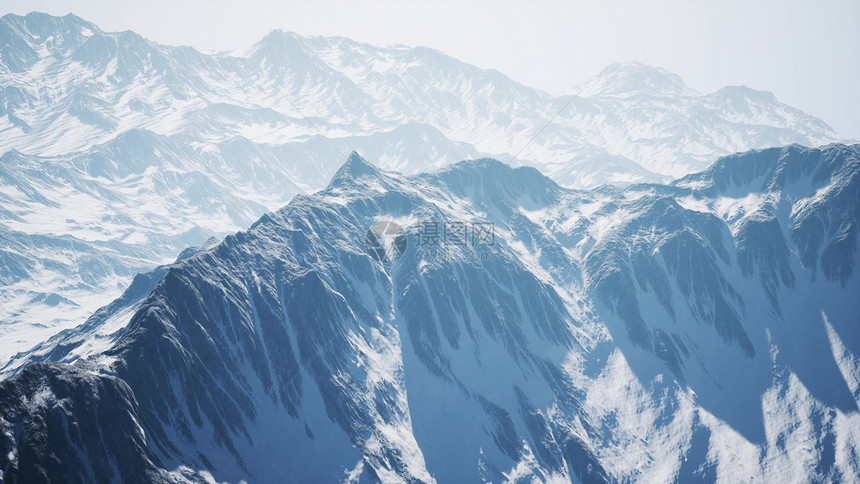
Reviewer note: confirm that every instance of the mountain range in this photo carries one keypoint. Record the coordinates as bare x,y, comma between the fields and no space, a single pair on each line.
694,331
68,86
118,152
663,287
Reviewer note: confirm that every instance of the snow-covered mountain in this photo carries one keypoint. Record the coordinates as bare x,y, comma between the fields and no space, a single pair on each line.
78,227
99,331
67,86
704,329
117,152
75,228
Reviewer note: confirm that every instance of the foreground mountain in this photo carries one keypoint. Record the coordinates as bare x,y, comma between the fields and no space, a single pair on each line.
699,330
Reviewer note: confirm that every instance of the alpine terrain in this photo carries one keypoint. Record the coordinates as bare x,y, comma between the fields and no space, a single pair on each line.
691,331
116,152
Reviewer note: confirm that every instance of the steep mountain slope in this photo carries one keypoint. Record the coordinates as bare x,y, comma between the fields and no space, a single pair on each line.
704,329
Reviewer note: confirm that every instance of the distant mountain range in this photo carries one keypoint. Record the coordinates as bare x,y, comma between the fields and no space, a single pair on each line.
689,332
67,86
116,153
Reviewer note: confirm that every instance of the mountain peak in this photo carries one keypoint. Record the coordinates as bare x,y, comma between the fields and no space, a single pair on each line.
632,78
494,177
276,42
40,24
279,35
743,93
354,168
25,36
284,50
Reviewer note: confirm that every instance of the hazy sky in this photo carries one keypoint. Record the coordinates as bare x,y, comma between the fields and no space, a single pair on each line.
807,53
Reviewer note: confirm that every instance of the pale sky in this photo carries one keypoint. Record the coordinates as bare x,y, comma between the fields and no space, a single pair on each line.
806,53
